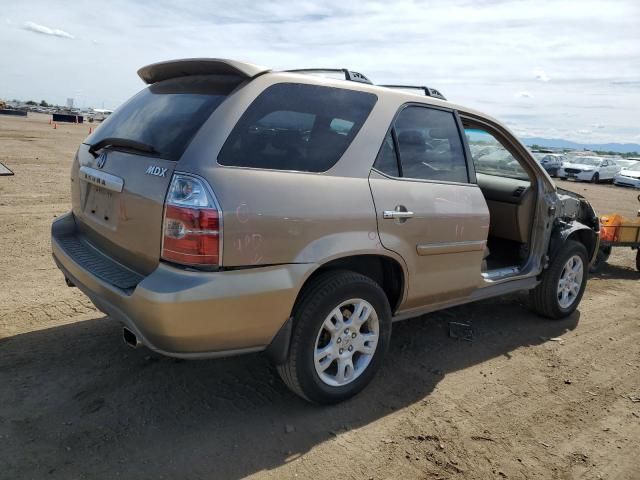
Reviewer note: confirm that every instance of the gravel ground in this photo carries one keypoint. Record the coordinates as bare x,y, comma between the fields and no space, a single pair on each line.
528,398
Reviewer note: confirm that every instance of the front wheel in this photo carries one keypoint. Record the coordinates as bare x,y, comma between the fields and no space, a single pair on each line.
563,283
595,178
341,334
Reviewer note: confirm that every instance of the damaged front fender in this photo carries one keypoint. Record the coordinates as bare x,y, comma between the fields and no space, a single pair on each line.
575,220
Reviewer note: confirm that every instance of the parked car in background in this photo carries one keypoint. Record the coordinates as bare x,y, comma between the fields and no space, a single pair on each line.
628,177
589,169
551,162
624,163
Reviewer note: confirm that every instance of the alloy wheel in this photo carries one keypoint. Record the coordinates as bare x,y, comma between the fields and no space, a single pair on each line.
570,281
346,342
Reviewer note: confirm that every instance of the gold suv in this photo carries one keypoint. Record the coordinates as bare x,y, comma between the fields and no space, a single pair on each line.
228,208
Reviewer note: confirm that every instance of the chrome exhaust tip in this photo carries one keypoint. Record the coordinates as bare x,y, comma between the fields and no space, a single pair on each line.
130,338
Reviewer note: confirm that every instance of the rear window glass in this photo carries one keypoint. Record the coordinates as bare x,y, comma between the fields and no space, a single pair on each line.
167,115
297,127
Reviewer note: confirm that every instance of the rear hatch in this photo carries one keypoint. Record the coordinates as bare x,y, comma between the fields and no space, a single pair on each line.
123,170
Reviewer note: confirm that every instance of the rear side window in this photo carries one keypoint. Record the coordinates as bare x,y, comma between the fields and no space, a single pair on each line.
299,127
167,115
429,147
387,161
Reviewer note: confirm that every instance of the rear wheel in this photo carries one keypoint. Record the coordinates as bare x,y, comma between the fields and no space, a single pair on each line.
638,260
341,333
563,283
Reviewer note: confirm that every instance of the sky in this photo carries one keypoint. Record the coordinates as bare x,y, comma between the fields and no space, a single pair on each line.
556,69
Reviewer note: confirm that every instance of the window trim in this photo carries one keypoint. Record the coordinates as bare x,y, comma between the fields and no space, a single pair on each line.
391,130
471,167
396,151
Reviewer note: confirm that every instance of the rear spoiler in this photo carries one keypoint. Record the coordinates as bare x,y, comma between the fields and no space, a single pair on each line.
157,72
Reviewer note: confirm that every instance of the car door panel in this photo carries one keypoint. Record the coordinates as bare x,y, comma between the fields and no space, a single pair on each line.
443,242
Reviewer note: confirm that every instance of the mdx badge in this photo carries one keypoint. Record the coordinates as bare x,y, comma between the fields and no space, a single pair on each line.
157,171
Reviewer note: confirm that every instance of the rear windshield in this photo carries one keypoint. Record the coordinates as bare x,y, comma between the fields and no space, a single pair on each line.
299,127
166,115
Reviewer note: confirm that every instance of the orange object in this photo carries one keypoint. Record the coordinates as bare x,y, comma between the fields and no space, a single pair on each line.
610,226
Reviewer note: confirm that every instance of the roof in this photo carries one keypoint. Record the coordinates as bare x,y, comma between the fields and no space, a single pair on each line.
157,72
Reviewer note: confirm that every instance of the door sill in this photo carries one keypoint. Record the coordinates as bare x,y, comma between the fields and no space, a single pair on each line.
500,273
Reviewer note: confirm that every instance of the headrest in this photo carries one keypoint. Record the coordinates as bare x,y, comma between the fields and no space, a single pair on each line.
411,137
439,133
286,139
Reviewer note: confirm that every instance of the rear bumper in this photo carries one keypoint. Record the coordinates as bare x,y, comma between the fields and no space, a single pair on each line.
190,314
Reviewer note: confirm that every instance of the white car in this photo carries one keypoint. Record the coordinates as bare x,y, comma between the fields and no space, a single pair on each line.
625,163
628,177
589,169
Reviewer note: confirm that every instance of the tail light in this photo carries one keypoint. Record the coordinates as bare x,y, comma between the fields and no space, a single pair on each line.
191,226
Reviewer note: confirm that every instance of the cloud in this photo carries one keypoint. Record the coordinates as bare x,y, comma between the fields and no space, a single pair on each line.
568,64
36,28
541,75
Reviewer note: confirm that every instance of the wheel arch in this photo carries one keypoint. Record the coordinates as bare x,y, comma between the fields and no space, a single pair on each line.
386,271
578,232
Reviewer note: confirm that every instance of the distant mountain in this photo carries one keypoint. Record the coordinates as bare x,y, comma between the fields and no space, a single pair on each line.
560,143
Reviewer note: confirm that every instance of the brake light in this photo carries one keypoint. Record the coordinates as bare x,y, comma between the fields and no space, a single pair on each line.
191,227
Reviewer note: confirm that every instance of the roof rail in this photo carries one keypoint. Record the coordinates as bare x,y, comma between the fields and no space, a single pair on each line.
347,74
428,91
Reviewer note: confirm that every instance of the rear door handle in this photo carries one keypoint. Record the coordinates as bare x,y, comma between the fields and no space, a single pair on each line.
391,214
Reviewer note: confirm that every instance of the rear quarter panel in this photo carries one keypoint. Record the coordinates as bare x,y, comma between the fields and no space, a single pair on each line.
287,217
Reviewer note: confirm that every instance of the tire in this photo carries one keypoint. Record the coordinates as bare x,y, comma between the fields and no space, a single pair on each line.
546,298
638,260
595,178
318,307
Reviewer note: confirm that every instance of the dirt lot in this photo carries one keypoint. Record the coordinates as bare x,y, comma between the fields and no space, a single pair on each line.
529,398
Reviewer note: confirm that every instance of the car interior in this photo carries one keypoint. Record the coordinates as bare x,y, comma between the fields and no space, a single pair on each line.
508,190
